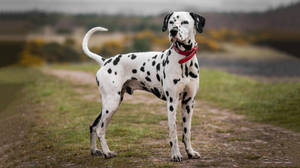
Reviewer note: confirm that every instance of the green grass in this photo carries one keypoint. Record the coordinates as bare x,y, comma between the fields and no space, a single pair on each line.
275,103
62,119
59,117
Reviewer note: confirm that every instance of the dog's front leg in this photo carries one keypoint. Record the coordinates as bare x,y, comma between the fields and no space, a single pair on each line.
187,112
172,106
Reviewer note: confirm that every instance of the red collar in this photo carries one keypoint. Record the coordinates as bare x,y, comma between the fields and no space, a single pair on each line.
189,54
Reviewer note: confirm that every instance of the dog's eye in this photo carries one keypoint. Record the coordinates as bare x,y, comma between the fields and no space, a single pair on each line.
184,22
171,22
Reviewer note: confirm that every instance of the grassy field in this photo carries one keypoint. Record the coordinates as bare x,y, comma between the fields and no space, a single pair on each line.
274,102
60,126
54,119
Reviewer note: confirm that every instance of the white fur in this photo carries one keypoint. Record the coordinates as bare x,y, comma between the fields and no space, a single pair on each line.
134,71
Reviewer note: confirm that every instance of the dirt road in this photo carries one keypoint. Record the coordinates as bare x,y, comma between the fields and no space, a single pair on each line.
223,138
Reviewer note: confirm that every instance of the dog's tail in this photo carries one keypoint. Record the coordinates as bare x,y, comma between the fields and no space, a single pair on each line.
85,48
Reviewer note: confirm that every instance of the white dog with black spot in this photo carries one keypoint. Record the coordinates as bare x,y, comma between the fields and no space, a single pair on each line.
171,75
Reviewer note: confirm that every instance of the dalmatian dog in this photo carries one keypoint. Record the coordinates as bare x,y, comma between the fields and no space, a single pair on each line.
171,75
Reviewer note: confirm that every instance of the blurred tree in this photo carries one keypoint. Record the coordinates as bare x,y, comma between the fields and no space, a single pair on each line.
54,52
143,41
69,42
10,52
111,48
32,53
205,43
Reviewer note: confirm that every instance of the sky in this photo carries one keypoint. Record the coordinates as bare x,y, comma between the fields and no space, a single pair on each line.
140,7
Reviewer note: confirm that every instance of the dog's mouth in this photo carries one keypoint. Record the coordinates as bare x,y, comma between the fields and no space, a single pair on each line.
181,45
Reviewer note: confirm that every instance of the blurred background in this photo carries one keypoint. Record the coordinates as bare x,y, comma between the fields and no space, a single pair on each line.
250,37
247,109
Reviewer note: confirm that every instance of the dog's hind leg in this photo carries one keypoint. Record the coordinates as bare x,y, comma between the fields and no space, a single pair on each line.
186,114
93,136
110,104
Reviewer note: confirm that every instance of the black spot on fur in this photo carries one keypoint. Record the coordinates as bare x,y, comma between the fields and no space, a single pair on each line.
109,70
176,81
158,67
108,61
148,79
154,57
97,81
129,90
171,99
142,83
116,60
153,63
119,93
148,72
157,77
164,63
184,95
145,88
181,66
95,122
103,59
115,73
162,55
185,130
188,110
102,125
164,97
169,52
191,64
164,75
142,69
133,78
134,71
171,143
184,120
193,75
167,60
144,63
171,108
196,65
186,70
133,56
167,93
156,92
107,111
186,101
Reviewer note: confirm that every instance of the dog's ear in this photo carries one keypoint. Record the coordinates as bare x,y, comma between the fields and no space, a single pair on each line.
166,20
199,22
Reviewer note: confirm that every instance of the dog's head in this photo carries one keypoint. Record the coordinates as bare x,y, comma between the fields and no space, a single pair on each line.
182,26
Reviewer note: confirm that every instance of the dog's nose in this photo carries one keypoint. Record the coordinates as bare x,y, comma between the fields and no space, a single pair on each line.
174,32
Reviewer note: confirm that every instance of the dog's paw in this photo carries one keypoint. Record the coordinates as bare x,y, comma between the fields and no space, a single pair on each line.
193,155
96,152
109,155
176,157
